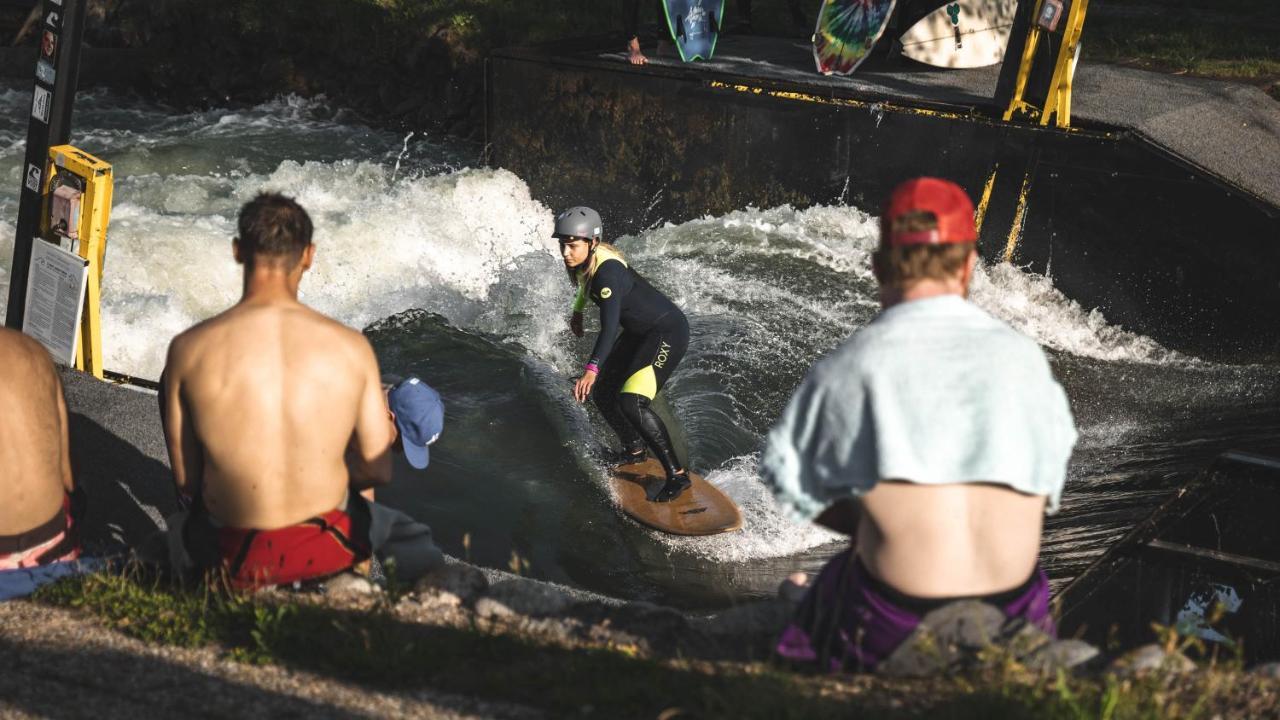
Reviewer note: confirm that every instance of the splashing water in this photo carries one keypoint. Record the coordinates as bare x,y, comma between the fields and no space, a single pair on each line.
399,226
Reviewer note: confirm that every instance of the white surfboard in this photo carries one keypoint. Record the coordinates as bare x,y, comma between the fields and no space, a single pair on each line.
964,34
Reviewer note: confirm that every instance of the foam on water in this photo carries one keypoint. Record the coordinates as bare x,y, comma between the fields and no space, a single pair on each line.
841,239
1032,305
382,249
766,531
767,291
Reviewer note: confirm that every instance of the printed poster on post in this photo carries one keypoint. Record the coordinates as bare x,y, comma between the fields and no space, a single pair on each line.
56,287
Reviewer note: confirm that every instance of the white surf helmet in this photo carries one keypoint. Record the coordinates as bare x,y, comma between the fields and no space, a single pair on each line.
579,222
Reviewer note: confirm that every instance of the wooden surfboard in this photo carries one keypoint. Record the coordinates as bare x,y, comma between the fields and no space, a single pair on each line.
965,34
700,510
846,32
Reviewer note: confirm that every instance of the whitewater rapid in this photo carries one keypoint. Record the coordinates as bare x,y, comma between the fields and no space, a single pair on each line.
403,225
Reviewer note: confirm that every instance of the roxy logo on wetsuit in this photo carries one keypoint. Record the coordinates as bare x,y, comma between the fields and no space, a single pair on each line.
663,351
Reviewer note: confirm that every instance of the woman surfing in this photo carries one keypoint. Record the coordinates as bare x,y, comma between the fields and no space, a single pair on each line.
623,375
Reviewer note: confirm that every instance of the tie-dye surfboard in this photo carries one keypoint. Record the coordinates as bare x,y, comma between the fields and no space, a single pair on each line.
846,32
695,25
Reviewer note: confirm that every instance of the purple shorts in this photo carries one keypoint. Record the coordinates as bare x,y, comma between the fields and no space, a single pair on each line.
849,620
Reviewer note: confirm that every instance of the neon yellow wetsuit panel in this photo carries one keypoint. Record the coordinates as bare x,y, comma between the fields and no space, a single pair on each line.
600,255
642,382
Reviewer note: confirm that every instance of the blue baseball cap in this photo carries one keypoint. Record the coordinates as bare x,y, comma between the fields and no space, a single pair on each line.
419,417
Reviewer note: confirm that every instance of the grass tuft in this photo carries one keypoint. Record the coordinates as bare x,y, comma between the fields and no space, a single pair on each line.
1226,39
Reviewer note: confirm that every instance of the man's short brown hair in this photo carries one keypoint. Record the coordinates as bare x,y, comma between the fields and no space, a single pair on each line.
897,265
273,228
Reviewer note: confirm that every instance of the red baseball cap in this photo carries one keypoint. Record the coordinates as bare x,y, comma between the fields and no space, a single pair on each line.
946,200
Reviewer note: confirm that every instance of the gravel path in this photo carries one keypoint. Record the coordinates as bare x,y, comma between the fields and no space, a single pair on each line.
54,663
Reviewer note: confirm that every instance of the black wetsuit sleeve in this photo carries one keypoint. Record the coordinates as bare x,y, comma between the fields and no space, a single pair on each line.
610,285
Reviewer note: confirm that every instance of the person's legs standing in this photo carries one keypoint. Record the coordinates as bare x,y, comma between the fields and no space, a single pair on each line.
605,395
661,352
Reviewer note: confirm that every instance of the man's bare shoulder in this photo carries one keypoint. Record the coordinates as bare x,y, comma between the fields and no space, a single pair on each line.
332,334
320,319
323,330
186,343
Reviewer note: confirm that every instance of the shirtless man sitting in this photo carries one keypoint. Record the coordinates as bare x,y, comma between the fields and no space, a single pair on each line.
36,525
275,420
936,438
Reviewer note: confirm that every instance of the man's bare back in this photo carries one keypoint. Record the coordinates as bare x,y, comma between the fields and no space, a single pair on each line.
273,414
893,435
933,541
269,397
34,451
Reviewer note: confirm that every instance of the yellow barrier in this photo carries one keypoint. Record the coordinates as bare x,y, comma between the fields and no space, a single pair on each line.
86,226
1057,104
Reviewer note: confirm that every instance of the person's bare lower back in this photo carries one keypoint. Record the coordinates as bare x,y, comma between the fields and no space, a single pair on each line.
950,540
273,392
31,442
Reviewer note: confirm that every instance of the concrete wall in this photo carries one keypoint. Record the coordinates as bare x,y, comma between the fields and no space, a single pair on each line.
1160,246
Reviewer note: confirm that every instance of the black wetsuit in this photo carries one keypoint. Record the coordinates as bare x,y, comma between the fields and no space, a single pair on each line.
634,367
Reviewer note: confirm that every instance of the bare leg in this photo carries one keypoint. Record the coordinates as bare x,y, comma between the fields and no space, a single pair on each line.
637,410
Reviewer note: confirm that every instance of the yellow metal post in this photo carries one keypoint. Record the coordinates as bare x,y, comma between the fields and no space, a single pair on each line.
1058,104
1017,103
1070,56
95,213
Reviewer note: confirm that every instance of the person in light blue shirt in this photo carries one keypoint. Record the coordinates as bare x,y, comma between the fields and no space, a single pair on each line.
936,437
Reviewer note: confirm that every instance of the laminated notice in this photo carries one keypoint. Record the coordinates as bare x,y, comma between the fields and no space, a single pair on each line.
56,286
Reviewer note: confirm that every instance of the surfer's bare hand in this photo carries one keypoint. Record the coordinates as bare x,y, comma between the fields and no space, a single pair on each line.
582,390
575,324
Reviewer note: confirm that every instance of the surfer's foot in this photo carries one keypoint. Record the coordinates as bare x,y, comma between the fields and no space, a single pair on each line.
676,485
633,52
626,457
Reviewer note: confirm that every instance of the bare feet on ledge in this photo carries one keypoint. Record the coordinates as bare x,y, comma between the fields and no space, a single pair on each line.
633,52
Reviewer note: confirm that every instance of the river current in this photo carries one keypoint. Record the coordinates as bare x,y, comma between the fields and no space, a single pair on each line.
450,269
